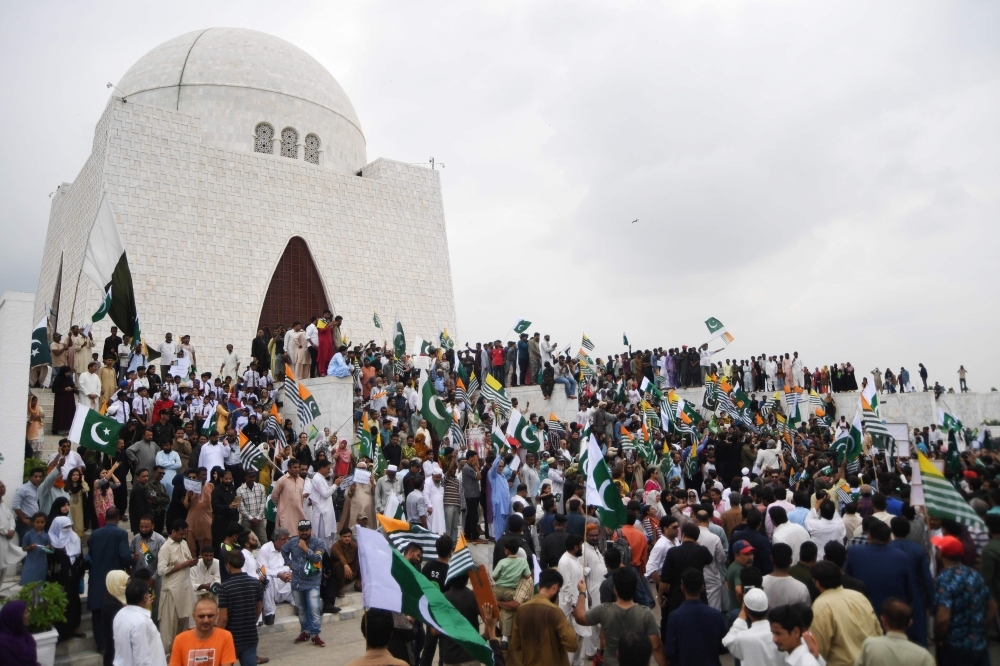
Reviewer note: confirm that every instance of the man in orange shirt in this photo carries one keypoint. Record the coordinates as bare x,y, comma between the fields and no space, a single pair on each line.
640,552
206,644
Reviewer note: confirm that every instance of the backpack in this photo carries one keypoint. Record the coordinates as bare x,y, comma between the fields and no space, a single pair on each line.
621,545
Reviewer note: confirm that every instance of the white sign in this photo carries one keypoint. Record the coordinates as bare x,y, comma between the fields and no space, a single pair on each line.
362,476
180,367
422,362
193,485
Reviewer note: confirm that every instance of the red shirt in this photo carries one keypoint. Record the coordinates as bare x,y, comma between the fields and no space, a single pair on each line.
640,548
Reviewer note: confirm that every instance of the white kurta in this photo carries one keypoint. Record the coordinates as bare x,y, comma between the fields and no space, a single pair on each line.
594,571
572,573
434,498
324,516
10,553
90,383
271,561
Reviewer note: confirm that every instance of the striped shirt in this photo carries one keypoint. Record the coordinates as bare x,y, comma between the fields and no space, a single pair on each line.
239,595
451,490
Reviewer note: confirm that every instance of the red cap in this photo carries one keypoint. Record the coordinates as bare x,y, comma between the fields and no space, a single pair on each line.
949,546
969,474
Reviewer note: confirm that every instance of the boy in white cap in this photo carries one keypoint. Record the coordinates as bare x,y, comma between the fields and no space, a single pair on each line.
749,639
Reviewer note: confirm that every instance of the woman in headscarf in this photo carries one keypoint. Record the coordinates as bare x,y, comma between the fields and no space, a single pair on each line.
64,389
342,458
225,507
60,507
77,489
360,500
252,430
499,476
34,433
114,601
17,645
66,568
104,494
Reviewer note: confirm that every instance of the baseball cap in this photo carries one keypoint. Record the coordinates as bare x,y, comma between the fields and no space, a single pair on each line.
305,525
949,546
742,546
756,600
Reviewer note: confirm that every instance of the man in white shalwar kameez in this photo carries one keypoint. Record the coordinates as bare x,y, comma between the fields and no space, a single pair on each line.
572,573
324,516
279,574
434,498
594,571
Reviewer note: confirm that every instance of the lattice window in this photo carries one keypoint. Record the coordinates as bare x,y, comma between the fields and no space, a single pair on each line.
312,148
296,290
290,143
263,141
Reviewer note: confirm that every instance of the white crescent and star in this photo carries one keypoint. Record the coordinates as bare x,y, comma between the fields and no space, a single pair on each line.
432,406
94,435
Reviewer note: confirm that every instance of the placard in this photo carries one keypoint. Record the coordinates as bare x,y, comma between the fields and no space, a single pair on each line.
193,485
483,590
362,476
422,362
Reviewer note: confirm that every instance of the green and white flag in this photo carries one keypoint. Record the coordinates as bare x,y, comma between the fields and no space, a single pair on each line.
624,339
91,430
40,352
521,325
948,421
433,408
847,446
717,329
601,492
106,264
406,590
102,311
521,429
210,424
377,321
650,388
498,441
399,339
620,395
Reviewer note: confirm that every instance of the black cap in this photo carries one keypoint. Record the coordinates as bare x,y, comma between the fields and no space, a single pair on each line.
561,518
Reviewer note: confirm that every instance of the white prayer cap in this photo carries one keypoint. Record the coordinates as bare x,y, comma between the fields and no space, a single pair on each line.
745,471
362,465
436,471
390,468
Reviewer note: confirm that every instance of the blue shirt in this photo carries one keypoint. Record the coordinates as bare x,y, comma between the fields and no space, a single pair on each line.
694,634
884,571
522,349
964,592
894,506
798,515
303,579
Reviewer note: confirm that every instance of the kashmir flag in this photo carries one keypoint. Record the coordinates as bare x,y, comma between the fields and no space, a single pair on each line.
649,414
769,404
455,432
102,311
399,339
587,343
628,443
306,407
379,463
520,326
710,398
251,455
493,392
473,385
948,421
313,433
870,396
460,394
40,352
873,424
272,426
650,388
601,492
365,442
399,533
691,466
406,590
555,425
943,500
521,429
461,559
666,467
433,408
687,418
91,430
819,409
717,330
376,320
782,427
445,339
624,339
847,446
106,264
646,448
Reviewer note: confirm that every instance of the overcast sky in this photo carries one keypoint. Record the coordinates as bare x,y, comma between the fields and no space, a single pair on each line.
822,177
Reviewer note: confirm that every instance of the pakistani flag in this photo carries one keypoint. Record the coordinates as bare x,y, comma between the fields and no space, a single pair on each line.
620,395
521,429
942,499
399,339
586,343
847,446
601,492
103,310
106,264
377,321
40,352
406,590
794,413
650,388
948,421
521,325
433,409
717,329
211,424
624,339
498,441
91,430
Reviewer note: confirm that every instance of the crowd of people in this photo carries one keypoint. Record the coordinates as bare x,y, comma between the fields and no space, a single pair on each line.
737,538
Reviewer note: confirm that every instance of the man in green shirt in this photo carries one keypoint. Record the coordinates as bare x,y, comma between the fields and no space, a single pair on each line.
620,617
742,558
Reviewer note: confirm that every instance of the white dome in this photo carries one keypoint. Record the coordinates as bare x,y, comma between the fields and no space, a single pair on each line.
233,79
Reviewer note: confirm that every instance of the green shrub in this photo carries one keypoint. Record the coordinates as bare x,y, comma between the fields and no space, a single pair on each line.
30,464
46,605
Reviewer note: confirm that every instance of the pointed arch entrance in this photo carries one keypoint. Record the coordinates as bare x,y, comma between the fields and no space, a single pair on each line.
296,292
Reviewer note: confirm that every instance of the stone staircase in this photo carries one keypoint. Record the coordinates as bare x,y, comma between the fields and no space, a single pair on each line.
83,651
47,401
